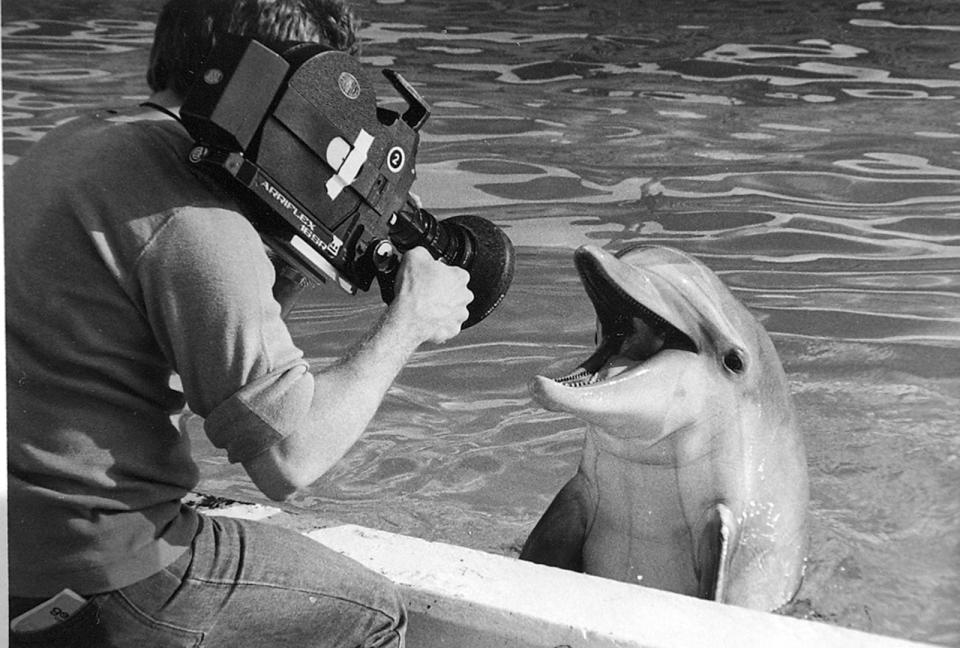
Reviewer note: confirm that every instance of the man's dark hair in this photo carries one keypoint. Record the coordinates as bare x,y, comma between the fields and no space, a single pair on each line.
188,29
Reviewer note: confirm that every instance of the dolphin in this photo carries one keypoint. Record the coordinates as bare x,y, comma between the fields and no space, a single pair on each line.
693,477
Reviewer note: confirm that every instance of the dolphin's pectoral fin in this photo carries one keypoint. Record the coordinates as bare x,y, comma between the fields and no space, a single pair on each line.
558,538
714,551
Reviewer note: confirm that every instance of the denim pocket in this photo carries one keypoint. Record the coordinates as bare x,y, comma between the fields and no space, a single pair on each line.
131,626
109,621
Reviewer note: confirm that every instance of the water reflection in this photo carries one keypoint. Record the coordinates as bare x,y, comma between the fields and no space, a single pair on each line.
64,37
886,24
794,67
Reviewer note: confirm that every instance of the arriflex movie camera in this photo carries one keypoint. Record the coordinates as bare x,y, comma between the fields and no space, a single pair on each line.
328,172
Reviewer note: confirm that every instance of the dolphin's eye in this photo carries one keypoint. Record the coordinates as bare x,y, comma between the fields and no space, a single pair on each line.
733,361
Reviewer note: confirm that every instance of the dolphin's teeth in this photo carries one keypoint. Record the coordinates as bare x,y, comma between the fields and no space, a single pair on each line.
578,378
579,373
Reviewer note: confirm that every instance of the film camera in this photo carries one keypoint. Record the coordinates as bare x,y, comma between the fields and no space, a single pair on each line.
327,172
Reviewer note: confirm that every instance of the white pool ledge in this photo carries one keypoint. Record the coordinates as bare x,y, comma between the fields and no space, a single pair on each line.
465,598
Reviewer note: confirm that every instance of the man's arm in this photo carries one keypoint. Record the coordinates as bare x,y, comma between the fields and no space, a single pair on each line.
204,284
430,305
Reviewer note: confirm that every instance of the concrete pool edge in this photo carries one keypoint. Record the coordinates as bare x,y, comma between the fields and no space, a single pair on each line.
467,598
472,599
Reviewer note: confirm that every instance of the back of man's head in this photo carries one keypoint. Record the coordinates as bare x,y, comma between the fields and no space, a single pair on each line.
188,29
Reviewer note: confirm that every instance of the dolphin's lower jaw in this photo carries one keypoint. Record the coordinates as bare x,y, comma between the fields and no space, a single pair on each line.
622,393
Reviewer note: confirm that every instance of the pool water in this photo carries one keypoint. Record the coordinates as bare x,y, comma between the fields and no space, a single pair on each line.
808,152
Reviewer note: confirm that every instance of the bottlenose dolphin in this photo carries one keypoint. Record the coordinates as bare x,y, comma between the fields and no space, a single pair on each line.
693,477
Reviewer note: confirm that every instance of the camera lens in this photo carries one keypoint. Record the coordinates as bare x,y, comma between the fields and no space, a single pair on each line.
484,250
470,242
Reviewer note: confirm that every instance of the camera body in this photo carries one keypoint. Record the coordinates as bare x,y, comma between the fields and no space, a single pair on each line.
328,172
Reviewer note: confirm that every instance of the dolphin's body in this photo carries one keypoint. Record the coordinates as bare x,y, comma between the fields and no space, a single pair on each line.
693,476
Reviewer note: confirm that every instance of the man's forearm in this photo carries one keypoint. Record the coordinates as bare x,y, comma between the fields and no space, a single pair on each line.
430,304
347,394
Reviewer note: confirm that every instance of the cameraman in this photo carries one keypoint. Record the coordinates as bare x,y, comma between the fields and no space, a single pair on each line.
123,264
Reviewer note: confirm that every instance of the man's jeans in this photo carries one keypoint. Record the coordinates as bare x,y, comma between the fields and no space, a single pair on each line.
244,584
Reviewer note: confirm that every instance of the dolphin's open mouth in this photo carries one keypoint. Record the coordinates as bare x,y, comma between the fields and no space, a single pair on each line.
629,335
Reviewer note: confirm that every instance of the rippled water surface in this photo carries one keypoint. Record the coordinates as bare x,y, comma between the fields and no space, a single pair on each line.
809,152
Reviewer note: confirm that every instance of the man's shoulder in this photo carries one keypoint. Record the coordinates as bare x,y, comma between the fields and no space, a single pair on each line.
145,165
114,129
112,142
123,182
98,148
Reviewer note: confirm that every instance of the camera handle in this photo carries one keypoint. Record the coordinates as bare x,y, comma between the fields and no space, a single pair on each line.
386,259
